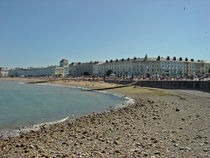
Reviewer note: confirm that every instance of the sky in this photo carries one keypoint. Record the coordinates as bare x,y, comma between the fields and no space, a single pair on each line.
35,33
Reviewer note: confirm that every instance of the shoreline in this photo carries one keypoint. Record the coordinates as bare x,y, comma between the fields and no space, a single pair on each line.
27,129
36,127
158,124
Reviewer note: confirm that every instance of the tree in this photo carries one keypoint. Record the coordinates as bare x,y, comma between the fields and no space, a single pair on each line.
192,60
174,58
109,72
106,61
186,59
111,60
122,59
128,59
86,73
180,58
168,58
116,60
158,58
134,58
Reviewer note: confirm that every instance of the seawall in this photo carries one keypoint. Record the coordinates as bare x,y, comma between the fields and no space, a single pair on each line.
201,85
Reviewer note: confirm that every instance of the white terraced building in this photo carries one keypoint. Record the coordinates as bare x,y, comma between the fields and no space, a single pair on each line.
172,67
139,67
3,72
62,70
84,69
135,67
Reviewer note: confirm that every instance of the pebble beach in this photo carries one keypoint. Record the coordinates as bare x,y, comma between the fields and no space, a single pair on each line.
155,125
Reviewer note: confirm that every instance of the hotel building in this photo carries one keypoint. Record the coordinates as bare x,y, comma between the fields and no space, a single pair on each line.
62,70
135,67
3,72
140,67
84,69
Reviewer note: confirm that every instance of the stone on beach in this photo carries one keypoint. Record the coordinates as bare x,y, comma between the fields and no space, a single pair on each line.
154,126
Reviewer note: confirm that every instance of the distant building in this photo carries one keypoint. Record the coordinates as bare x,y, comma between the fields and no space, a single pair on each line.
135,67
3,72
122,67
64,63
84,69
62,71
130,67
207,67
172,67
96,68
141,67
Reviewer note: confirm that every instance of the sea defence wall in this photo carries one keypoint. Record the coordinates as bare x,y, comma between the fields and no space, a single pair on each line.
202,85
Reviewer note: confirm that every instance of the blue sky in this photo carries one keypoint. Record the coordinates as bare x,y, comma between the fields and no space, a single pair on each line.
42,32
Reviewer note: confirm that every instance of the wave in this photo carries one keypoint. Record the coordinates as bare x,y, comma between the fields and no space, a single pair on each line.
35,127
128,102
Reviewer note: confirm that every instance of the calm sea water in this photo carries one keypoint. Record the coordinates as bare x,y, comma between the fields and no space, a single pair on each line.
27,104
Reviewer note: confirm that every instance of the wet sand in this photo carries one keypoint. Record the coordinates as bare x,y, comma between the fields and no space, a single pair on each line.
172,123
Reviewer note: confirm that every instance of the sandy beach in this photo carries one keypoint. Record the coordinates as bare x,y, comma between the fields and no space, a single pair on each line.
161,123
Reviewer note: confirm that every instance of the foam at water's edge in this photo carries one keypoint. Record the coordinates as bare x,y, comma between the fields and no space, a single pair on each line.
36,127
128,101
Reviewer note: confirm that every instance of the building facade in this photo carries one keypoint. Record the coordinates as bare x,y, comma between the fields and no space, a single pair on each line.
3,72
135,67
64,63
84,69
62,71
172,67
155,67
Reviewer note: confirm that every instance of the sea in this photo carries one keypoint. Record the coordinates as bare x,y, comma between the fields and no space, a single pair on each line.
24,105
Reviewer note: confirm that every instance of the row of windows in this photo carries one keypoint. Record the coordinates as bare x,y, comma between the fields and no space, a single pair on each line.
174,63
171,66
112,67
